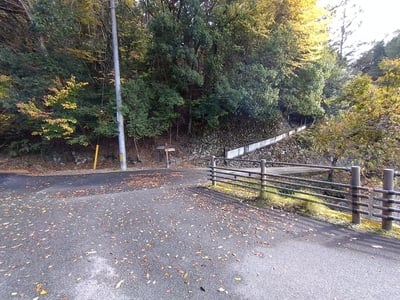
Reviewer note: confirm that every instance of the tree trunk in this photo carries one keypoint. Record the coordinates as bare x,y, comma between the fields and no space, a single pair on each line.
42,45
189,130
136,149
333,164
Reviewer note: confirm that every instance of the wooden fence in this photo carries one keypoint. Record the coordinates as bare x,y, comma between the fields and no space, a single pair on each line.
337,188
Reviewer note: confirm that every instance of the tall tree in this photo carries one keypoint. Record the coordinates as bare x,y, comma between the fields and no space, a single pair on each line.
368,131
369,61
393,47
346,19
192,62
295,49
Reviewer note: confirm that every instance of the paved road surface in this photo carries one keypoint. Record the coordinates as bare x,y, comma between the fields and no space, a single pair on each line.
159,235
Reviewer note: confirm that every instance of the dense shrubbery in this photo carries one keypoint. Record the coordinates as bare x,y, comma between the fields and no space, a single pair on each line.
183,63
189,65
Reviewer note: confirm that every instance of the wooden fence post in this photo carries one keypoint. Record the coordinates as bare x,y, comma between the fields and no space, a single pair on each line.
263,191
166,156
355,184
388,197
213,174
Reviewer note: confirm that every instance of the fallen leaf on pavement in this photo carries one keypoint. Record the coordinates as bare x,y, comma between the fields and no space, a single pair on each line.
39,289
118,285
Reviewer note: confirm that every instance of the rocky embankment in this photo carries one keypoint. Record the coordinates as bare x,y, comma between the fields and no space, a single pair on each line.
293,149
196,151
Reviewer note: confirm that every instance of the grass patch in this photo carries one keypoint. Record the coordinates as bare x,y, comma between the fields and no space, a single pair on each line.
372,226
240,193
311,206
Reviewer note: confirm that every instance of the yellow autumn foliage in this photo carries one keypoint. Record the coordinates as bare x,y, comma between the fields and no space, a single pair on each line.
54,118
368,131
305,19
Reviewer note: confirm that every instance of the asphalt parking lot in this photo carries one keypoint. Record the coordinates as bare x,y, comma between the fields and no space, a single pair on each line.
162,235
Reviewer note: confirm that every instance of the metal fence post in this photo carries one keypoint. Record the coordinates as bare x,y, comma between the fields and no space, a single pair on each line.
263,192
388,197
355,184
213,174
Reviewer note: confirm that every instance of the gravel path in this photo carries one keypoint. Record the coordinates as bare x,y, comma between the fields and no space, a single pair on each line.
161,235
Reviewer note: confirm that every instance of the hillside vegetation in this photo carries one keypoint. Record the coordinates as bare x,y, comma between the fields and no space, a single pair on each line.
189,68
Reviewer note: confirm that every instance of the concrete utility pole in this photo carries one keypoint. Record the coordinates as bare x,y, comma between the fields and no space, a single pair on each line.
120,118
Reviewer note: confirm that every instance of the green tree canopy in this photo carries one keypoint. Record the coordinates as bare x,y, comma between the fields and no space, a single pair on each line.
187,63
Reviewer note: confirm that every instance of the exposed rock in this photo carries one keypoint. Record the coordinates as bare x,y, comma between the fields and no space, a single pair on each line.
292,149
194,152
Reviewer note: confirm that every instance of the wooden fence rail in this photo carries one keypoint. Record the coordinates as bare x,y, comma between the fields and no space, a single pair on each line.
307,183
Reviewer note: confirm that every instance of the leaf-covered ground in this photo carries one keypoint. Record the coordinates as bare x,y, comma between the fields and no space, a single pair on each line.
161,235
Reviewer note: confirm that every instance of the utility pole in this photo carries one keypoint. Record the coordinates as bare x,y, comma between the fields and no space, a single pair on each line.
120,118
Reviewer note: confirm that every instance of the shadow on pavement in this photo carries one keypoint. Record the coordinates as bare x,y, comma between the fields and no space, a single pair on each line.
329,235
